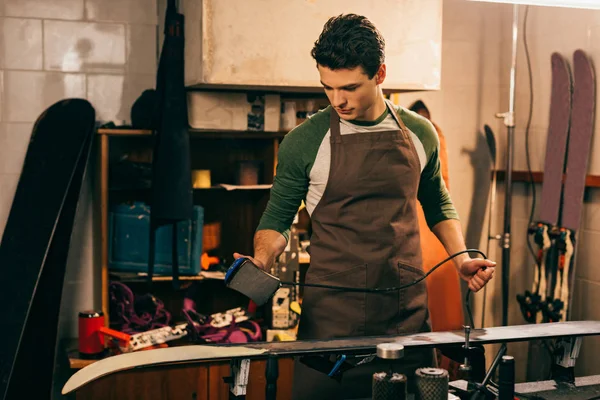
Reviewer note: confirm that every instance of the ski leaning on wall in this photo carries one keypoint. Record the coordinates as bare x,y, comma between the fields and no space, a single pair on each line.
572,114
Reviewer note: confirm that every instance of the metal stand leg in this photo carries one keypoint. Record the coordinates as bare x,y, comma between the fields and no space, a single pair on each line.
175,257
479,390
509,122
152,255
271,374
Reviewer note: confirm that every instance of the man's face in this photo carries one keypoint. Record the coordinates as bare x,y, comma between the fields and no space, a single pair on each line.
351,92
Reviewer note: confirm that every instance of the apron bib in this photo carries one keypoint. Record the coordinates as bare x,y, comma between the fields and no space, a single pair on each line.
365,234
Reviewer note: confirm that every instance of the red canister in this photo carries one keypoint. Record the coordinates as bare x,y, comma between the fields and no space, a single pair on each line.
90,340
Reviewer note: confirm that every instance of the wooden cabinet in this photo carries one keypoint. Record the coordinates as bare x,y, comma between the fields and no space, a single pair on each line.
192,382
267,43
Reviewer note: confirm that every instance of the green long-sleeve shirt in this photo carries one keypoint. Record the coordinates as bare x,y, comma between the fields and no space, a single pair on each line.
304,160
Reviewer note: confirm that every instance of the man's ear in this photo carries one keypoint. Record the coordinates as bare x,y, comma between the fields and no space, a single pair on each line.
380,75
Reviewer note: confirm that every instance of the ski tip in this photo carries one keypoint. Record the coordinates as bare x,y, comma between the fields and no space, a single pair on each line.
584,67
558,57
582,57
560,63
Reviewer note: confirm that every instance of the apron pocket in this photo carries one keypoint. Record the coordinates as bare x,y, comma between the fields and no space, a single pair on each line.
331,313
412,269
383,309
355,276
412,300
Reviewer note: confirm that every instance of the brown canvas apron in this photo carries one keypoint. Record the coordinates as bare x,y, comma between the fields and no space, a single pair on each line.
365,234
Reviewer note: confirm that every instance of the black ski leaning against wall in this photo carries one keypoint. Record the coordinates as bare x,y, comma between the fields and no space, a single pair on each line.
558,132
560,285
35,246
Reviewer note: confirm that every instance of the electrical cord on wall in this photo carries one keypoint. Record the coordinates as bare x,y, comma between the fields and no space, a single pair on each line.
527,129
392,289
527,155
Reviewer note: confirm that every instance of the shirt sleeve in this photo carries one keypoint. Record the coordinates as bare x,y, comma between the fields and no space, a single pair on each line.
433,193
290,186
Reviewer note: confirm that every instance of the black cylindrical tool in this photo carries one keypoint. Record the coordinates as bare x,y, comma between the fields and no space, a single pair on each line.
506,378
389,385
432,384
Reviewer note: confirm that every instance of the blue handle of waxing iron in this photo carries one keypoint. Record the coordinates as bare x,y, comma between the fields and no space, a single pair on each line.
236,264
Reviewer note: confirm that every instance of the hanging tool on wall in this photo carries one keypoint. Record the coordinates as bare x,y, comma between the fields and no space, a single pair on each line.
172,200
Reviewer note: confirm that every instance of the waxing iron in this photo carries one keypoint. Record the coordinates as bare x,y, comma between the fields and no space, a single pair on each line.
245,277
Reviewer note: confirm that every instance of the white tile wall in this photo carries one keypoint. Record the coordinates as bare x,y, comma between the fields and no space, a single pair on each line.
114,94
53,9
591,216
84,47
587,256
141,49
29,93
101,50
21,43
2,102
132,11
8,186
102,93
14,139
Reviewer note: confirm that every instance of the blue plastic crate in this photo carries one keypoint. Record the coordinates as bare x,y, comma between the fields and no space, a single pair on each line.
129,241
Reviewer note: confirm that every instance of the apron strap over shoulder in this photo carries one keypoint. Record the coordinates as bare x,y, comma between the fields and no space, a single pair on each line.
334,126
334,122
396,117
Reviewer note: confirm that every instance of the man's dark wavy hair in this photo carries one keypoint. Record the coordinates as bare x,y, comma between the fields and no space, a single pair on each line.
348,41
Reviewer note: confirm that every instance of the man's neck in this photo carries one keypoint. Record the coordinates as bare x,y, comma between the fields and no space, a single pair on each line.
375,111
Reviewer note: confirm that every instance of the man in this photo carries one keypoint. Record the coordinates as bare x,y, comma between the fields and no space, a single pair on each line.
360,165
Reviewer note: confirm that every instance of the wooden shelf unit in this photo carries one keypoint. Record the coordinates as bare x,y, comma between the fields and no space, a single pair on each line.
216,150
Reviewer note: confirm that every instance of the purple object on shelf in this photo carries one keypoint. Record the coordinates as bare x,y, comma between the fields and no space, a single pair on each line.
134,314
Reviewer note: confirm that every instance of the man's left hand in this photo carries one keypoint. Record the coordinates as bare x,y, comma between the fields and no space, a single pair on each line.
477,272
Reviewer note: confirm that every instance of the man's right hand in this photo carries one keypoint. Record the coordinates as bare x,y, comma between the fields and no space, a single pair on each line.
259,264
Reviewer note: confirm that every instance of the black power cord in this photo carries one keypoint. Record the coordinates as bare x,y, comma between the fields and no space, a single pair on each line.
527,133
393,289
527,156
